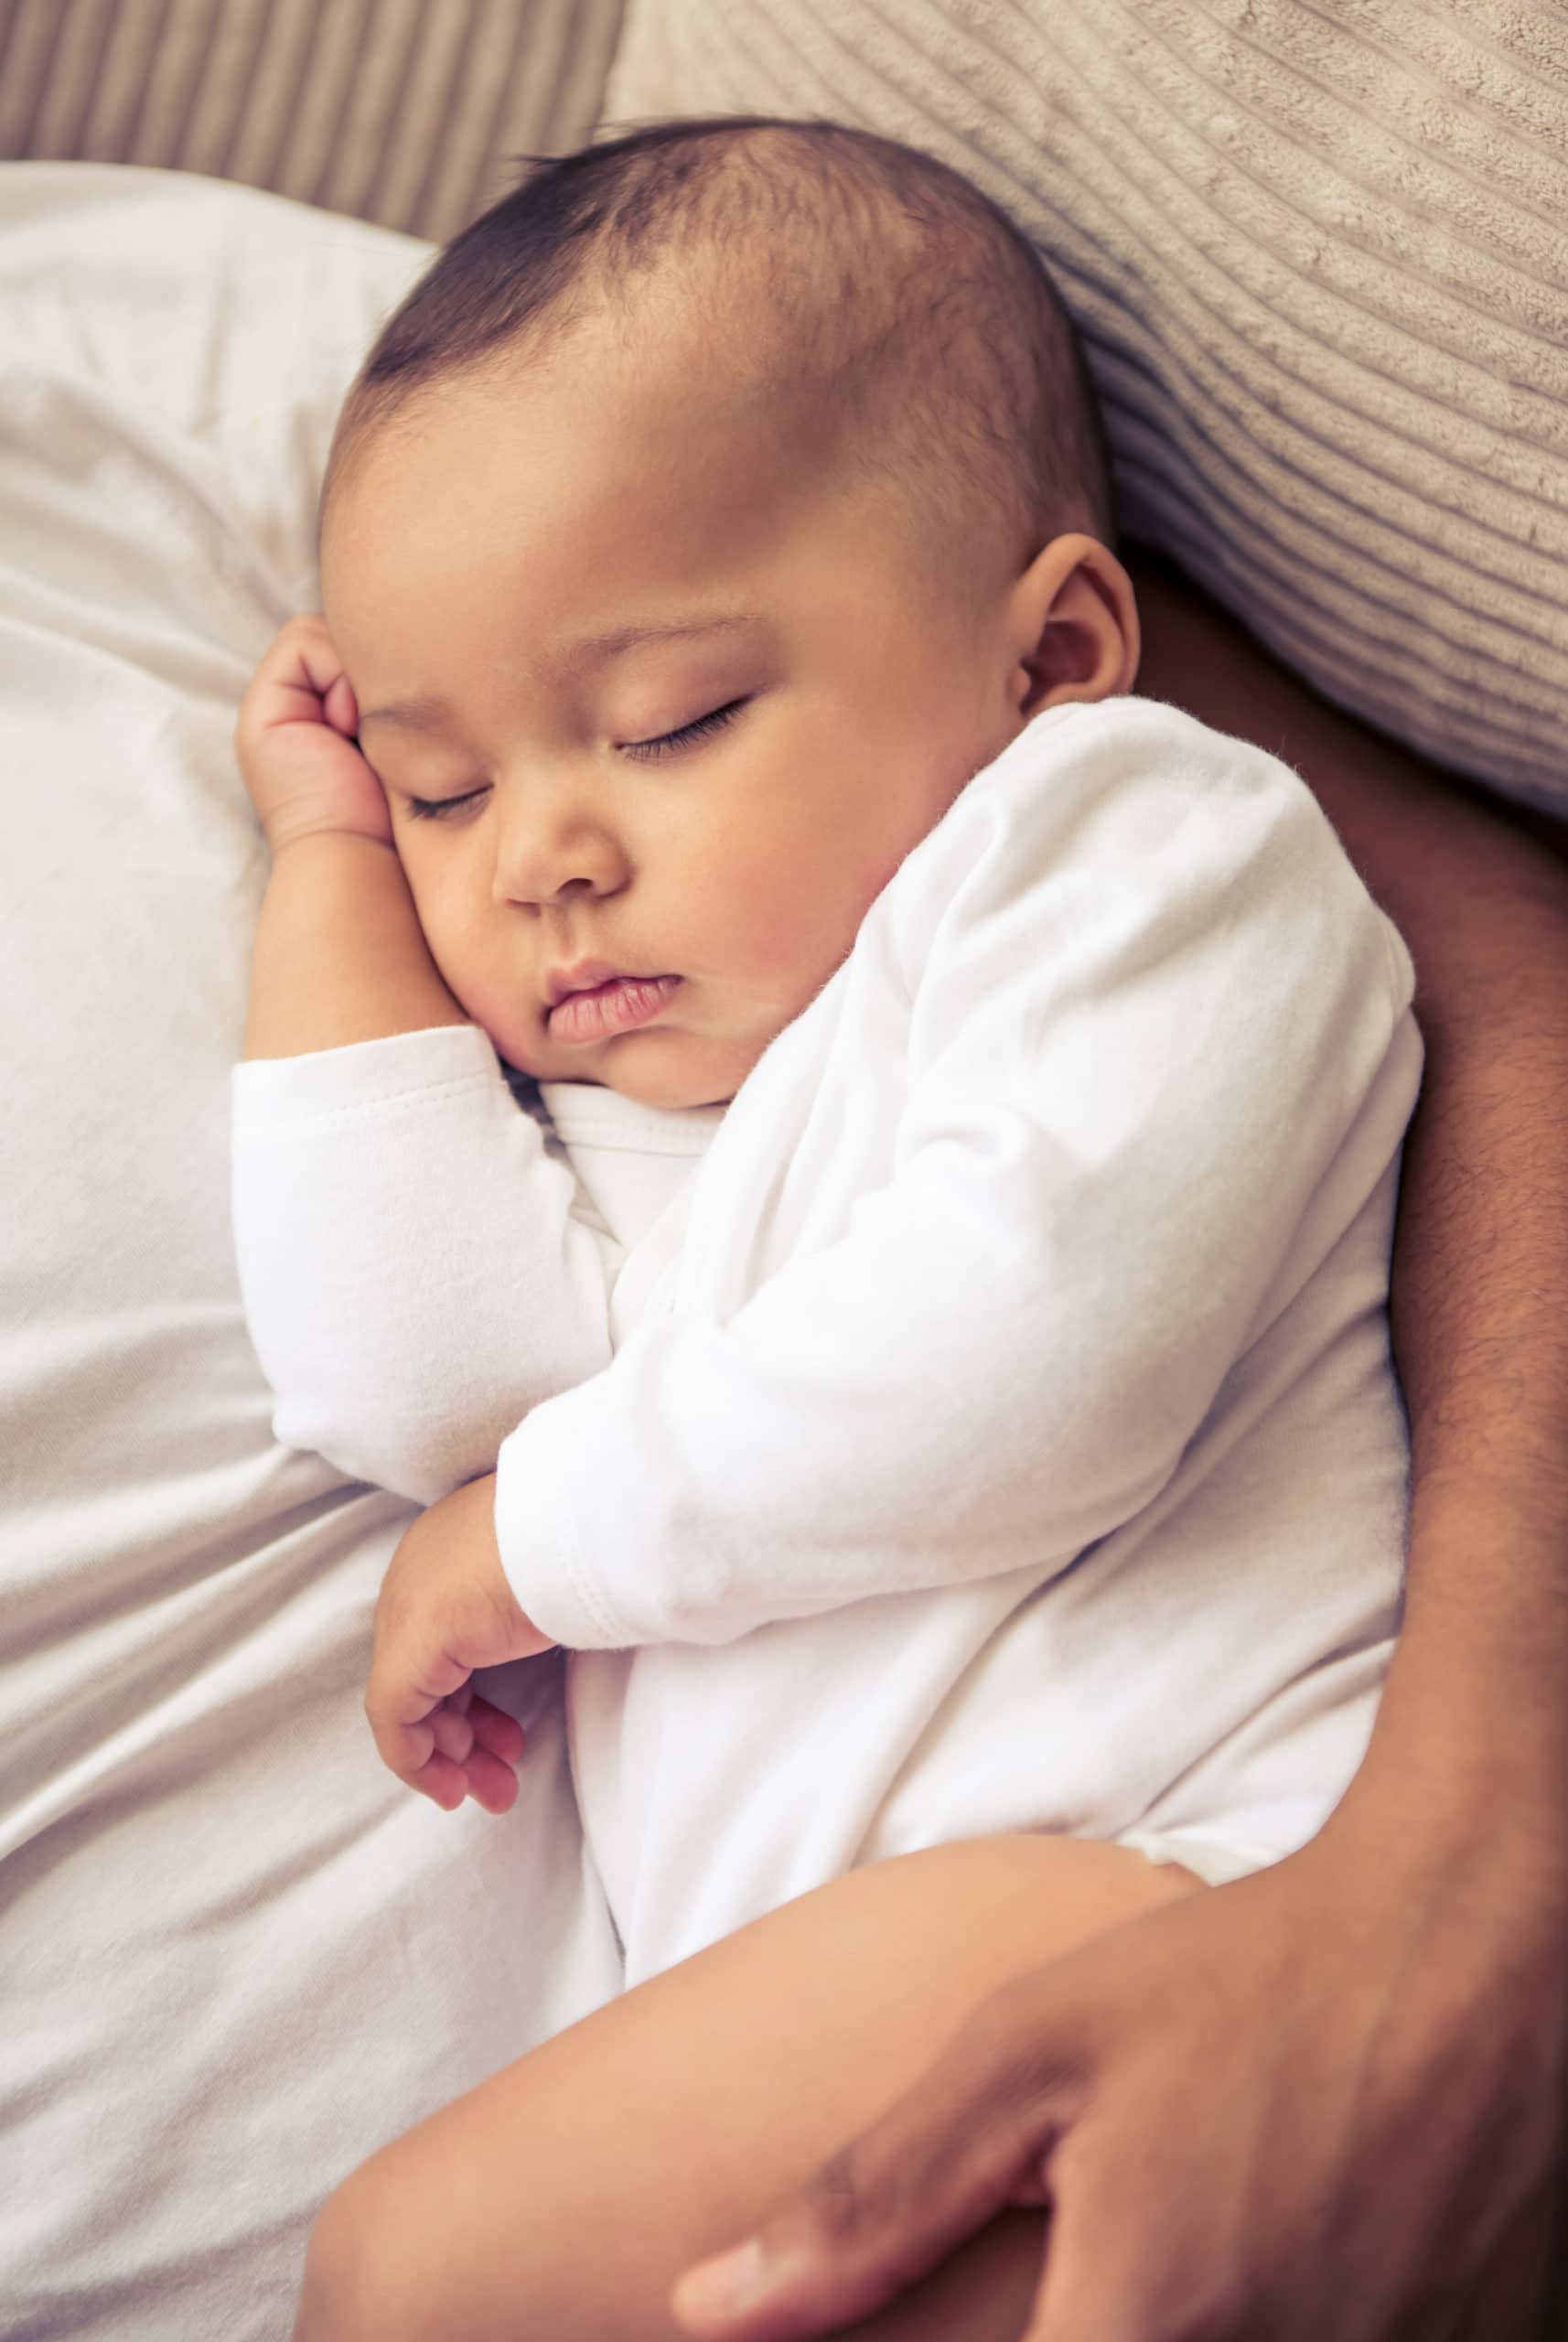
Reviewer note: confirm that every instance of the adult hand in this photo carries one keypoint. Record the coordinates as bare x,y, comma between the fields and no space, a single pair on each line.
1322,2104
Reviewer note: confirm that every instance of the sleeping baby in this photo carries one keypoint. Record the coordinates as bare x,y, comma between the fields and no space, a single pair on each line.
846,1158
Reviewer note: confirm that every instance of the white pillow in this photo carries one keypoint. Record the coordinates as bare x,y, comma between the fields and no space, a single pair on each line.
237,1954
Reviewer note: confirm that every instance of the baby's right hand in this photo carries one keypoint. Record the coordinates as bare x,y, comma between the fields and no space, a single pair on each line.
295,739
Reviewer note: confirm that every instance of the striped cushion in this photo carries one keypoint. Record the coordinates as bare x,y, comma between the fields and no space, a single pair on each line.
1320,260
401,111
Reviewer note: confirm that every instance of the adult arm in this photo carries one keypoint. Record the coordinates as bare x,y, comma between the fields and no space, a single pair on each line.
1327,2099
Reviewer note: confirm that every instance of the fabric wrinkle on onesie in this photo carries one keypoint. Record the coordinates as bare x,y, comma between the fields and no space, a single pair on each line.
635,1164
708,1801
1191,1667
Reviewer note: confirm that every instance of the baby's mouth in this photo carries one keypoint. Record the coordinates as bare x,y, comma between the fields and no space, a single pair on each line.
594,1012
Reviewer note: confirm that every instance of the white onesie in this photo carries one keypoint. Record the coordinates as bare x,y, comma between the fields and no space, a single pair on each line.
986,1421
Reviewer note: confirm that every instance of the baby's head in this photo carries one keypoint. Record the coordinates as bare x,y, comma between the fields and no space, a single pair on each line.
713,510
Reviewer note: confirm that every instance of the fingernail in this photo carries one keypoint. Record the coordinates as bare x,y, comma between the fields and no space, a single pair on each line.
732,2281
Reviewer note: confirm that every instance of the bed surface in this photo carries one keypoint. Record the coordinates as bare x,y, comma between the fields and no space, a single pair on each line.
237,1954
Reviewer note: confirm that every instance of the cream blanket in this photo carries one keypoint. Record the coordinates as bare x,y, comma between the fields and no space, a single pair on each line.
1320,257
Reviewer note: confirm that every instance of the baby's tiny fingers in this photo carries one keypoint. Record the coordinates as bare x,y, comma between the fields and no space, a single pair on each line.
410,1753
403,1698
491,1783
495,1731
443,1782
452,1732
340,708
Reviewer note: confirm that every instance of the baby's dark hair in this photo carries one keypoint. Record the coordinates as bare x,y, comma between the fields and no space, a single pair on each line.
954,373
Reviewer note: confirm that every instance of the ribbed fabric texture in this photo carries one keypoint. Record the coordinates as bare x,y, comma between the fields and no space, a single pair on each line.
1318,249
401,111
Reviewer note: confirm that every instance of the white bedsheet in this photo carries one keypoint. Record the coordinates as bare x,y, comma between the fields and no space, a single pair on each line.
235,1954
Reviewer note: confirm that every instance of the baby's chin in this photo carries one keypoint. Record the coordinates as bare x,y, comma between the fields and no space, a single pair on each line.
672,1087
671,1071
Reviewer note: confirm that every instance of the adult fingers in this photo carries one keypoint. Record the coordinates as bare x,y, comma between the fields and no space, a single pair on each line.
1127,2262
1522,2294
1148,2245
973,2136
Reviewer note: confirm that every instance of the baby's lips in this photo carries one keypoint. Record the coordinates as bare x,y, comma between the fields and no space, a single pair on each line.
601,1011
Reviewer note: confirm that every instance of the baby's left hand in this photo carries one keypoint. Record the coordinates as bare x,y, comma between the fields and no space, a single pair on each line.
446,1608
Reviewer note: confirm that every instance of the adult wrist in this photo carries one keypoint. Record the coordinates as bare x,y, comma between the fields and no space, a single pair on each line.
1467,1771
1455,1807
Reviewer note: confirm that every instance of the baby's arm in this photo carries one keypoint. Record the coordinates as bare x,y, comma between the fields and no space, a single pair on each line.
1154,1078
338,955
414,1270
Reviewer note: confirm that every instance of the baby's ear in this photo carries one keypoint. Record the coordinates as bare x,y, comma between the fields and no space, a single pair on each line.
1078,620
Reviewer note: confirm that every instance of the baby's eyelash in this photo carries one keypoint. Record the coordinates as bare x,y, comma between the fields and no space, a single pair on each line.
647,751
431,809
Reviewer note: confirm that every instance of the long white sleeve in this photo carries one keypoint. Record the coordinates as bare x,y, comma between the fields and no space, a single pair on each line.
1145,1011
417,1272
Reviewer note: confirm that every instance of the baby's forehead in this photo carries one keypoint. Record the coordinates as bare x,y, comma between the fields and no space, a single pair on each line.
613,451
849,291
803,345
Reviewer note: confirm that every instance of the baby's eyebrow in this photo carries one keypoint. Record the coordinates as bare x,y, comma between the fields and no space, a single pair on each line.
428,710
422,714
592,648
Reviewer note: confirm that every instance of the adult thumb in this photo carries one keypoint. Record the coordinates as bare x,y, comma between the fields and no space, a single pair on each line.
972,2137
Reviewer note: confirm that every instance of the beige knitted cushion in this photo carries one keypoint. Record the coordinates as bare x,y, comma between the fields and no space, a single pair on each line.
1320,255
401,111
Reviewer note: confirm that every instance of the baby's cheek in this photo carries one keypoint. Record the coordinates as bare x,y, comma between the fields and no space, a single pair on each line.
771,936
782,956
494,1009
796,923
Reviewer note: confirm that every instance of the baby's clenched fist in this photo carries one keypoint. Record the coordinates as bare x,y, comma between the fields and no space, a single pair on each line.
447,1608
295,738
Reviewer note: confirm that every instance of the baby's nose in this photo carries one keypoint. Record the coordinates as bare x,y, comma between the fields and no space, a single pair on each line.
541,863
